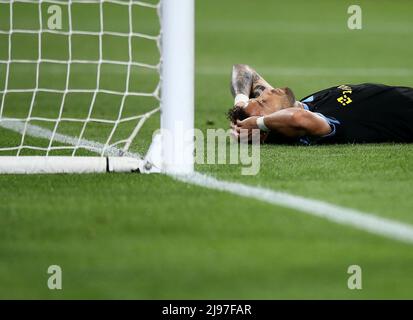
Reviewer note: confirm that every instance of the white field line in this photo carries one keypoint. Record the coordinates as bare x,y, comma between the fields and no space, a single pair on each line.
364,221
360,220
314,72
39,132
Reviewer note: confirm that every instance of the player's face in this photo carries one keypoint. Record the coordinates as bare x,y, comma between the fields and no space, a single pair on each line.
270,101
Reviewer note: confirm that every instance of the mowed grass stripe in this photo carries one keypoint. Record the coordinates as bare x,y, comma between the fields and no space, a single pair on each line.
314,72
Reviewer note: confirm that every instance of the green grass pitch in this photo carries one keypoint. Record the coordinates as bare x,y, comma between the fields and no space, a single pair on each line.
151,237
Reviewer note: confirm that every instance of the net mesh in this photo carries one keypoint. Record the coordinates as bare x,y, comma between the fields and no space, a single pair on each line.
77,71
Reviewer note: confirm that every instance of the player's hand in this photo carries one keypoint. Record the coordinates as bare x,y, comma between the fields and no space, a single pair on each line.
247,124
234,132
246,129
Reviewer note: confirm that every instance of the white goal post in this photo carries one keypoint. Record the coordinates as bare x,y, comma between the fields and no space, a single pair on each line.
171,150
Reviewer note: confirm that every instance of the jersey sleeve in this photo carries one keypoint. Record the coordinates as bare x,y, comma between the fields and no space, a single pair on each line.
332,122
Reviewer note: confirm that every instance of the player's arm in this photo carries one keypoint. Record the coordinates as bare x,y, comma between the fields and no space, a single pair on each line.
246,83
290,122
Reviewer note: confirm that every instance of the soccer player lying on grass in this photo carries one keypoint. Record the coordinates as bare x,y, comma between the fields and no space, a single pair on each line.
364,113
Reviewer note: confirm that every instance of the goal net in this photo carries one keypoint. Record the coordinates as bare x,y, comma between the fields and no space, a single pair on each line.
82,83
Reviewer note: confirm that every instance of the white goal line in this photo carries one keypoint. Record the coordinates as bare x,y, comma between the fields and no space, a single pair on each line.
39,132
369,222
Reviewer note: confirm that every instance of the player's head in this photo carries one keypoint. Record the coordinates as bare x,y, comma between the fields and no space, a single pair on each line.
270,101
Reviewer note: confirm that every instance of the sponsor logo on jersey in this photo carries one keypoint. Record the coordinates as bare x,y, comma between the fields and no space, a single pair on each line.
345,98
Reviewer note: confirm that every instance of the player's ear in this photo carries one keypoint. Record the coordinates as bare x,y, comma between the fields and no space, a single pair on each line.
290,95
